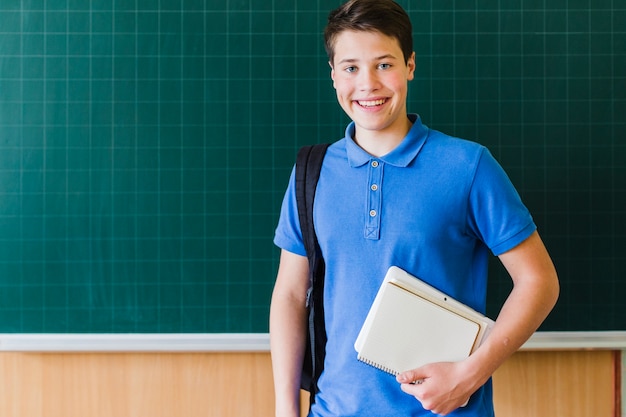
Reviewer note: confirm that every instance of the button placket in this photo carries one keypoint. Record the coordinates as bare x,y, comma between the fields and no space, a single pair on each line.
372,227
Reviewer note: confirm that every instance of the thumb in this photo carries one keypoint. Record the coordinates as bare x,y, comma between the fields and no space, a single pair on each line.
413,376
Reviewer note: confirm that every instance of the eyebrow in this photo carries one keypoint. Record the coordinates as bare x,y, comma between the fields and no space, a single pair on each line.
378,58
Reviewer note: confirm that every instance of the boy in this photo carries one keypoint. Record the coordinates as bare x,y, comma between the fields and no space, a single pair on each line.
393,192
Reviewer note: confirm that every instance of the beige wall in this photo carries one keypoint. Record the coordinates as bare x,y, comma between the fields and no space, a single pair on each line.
537,384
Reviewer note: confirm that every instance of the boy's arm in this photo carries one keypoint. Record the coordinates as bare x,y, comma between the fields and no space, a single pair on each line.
288,322
444,387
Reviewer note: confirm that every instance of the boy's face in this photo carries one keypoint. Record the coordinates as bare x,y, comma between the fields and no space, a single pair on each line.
371,78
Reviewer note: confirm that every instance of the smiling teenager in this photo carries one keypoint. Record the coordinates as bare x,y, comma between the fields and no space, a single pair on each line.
395,192
370,75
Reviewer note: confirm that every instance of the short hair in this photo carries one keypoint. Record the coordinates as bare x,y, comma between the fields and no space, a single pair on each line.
384,16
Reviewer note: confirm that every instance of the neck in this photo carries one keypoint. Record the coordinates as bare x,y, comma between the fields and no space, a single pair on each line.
379,143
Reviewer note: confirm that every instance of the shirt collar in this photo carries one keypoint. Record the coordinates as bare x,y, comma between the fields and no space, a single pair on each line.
401,156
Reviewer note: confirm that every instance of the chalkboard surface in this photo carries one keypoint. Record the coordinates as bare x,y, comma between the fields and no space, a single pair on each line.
145,147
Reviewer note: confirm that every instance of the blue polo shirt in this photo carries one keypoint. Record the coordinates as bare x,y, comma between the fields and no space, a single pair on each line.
437,207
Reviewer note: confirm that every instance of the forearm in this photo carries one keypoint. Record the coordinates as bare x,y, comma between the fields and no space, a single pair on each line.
287,344
534,294
288,321
519,318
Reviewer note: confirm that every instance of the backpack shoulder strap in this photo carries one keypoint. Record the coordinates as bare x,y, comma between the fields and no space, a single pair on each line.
308,167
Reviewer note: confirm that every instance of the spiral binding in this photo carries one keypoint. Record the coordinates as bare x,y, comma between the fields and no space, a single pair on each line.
377,365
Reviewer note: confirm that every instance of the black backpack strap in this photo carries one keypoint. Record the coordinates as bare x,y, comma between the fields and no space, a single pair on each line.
308,167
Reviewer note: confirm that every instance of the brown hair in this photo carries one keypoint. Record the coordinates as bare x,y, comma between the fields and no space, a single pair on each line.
384,16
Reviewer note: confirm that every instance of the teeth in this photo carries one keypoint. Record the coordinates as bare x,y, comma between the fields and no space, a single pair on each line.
371,103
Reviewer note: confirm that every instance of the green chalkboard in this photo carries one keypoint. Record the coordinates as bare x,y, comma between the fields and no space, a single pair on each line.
145,147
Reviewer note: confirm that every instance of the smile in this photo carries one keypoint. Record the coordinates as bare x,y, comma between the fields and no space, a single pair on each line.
371,103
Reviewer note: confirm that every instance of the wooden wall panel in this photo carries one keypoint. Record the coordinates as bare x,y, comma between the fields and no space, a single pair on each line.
135,385
558,383
530,384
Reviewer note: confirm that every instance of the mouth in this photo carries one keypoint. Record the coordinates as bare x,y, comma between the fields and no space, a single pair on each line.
371,103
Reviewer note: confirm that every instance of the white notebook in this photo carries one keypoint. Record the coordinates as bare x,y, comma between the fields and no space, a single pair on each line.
411,324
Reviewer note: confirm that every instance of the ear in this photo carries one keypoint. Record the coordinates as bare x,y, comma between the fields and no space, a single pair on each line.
332,73
410,65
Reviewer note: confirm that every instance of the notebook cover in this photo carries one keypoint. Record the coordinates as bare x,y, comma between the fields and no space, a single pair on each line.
411,324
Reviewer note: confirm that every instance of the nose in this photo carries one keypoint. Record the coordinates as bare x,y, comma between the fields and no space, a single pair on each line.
368,80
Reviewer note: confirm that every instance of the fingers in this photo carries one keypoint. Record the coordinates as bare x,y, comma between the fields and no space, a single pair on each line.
417,389
414,387
411,377
426,393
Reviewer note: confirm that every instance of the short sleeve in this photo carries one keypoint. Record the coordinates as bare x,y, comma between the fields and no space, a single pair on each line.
288,235
497,215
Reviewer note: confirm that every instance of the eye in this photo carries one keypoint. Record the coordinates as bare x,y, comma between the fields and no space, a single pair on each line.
384,66
350,69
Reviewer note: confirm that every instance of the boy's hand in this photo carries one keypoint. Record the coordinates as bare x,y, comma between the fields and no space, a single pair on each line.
440,387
